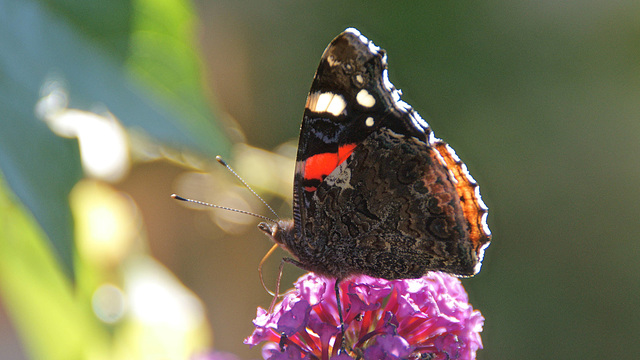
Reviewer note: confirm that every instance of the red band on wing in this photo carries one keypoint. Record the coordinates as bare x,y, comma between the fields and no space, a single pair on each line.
320,165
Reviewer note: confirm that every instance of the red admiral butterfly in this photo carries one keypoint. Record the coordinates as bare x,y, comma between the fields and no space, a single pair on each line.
375,192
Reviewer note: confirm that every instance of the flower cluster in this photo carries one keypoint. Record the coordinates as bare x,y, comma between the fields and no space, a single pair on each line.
426,318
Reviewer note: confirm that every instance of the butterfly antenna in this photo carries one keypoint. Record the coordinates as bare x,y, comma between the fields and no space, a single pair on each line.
177,197
224,163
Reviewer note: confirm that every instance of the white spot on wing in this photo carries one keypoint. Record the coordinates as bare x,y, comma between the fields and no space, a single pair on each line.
326,102
354,31
480,258
389,86
369,122
365,99
417,120
332,61
420,120
416,124
478,266
337,105
322,102
454,180
480,202
453,153
403,105
485,227
373,48
432,139
466,172
438,155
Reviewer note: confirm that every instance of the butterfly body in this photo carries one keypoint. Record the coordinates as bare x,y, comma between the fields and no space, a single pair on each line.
375,192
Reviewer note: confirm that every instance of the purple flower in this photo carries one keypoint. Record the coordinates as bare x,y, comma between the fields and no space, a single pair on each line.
384,319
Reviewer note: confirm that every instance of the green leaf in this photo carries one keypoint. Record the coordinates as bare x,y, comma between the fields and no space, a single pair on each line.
38,297
39,42
105,23
164,55
40,167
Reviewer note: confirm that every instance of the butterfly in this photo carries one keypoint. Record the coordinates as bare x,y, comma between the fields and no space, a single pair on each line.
375,192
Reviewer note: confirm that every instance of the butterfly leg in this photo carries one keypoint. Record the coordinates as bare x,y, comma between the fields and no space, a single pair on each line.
339,303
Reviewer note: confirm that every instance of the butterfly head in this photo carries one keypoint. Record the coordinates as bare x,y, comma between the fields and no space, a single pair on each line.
280,232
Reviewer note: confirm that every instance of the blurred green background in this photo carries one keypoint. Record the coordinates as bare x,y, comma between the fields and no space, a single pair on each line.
540,99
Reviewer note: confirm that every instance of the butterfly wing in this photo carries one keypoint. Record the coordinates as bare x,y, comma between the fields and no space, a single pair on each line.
374,191
344,106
